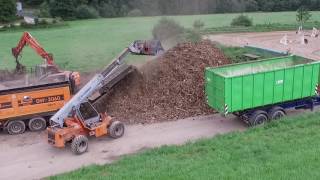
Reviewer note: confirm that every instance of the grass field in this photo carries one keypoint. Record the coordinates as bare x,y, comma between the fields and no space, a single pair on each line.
89,44
283,150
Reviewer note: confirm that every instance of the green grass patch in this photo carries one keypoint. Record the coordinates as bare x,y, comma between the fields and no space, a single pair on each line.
288,149
90,44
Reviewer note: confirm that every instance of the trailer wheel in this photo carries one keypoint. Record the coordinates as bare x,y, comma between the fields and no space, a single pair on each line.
258,118
277,113
37,124
116,129
16,127
79,145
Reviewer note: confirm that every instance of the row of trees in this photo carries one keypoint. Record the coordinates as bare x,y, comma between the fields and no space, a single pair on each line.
71,9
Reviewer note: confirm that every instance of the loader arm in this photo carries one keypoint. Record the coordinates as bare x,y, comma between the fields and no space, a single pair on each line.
27,39
105,78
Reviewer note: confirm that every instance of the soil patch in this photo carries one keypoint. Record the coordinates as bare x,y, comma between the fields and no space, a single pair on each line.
168,88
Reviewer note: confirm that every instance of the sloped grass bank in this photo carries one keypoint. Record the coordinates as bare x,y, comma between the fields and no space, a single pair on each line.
288,149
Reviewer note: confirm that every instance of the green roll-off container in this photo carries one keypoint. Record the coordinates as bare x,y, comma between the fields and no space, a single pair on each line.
239,87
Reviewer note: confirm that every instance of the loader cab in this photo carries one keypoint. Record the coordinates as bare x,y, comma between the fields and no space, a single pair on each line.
89,115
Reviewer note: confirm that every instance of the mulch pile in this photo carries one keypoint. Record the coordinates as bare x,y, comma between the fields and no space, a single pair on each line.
168,88
6,75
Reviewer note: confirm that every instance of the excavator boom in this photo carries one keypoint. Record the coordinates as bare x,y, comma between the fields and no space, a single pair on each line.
47,70
27,39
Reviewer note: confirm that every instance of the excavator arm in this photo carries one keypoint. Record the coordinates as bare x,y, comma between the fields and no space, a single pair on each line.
50,66
27,39
100,80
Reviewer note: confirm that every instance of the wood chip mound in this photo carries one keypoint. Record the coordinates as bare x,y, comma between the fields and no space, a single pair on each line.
169,88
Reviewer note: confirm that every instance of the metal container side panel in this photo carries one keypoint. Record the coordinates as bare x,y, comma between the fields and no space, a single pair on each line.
251,91
36,102
240,92
288,84
258,93
316,77
209,90
215,91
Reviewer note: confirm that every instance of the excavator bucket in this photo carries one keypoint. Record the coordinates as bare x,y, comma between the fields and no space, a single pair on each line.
20,69
146,47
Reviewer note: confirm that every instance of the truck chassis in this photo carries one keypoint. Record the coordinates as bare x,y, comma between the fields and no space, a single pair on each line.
261,115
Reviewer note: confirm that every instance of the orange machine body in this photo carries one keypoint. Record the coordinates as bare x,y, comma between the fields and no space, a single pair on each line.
27,102
58,137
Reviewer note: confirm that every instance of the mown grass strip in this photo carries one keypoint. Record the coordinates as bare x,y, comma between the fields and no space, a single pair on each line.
288,149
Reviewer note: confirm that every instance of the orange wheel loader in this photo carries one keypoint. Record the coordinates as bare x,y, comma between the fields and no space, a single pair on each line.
78,119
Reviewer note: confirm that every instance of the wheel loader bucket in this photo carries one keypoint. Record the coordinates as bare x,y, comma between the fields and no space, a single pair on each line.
146,47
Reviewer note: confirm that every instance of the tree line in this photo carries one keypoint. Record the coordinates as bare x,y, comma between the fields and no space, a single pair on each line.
72,9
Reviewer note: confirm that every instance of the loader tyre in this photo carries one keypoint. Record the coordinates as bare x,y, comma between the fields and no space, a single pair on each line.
258,118
277,113
37,124
79,145
116,129
16,127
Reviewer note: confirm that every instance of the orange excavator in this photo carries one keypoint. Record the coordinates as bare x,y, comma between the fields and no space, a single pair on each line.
48,70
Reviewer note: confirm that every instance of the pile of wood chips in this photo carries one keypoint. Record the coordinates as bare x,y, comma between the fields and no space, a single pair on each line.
170,87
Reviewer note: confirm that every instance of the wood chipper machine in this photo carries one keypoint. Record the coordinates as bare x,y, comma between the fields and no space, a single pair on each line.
79,119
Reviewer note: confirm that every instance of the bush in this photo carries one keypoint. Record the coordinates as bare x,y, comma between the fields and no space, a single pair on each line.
7,11
34,2
43,22
166,29
44,10
106,10
193,36
242,20
62,8
36,21
86,12
26,25
135,13
198,24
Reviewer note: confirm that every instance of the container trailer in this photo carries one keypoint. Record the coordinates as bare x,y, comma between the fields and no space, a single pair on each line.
262,91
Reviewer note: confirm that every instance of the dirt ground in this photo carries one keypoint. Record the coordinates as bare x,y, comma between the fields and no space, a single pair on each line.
271,40
28,156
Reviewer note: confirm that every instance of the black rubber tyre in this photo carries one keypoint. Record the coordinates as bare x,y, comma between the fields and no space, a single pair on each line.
258,118
16,127
277,113
116,129
79,145
37,124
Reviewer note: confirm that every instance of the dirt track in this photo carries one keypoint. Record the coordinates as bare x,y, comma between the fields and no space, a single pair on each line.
28,156
271,40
